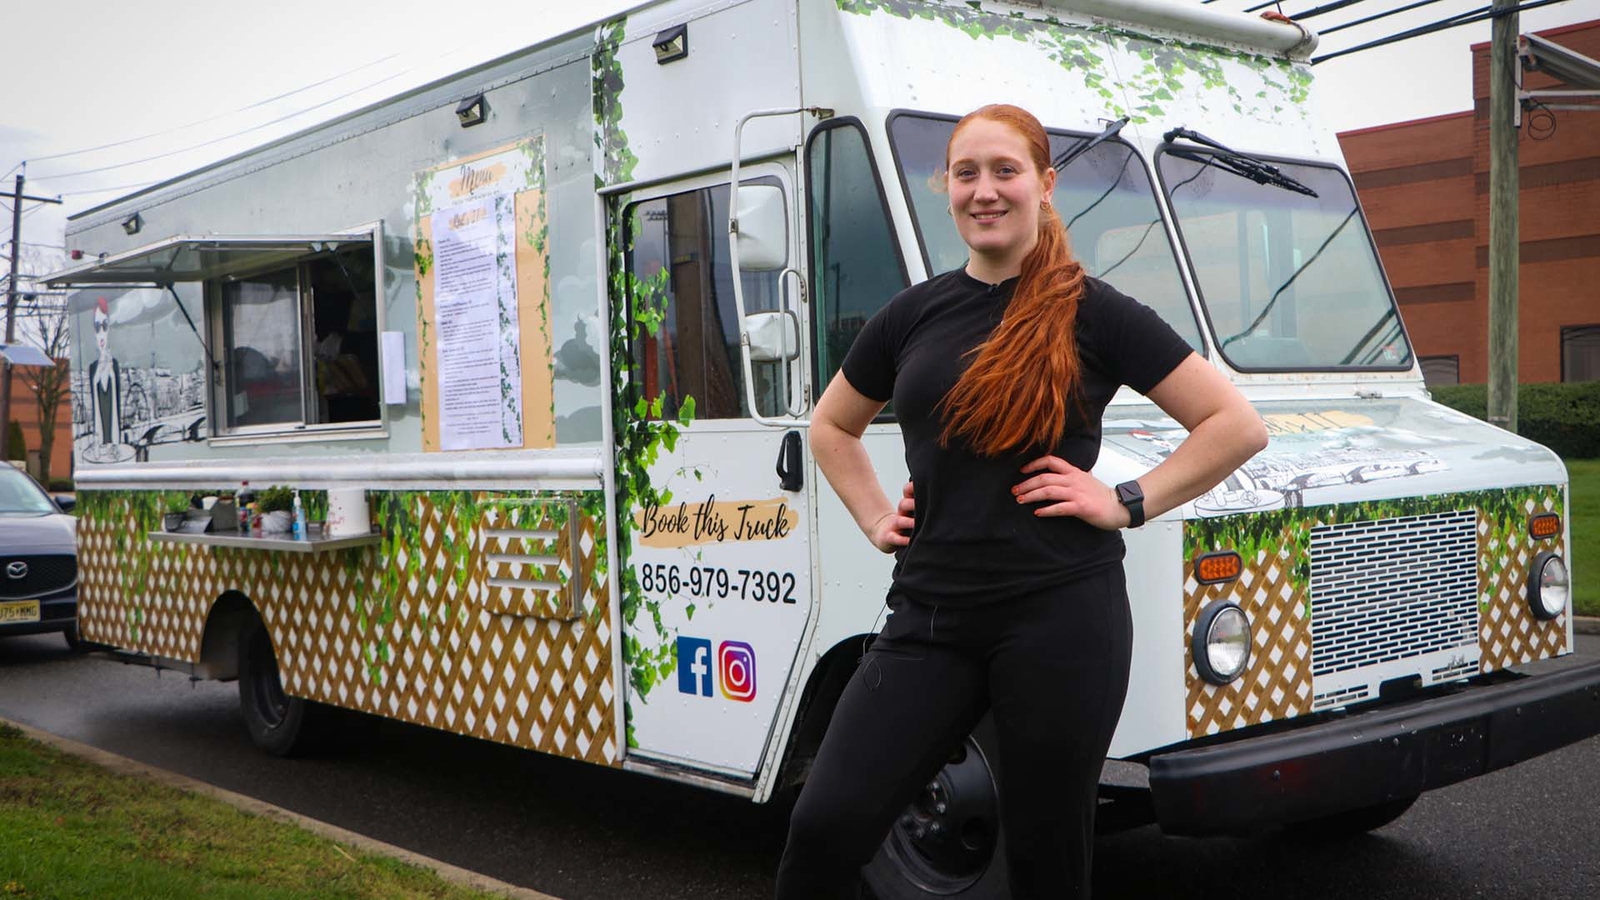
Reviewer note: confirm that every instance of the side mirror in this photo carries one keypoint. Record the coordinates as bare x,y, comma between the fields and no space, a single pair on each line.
763,228
66,502
774,336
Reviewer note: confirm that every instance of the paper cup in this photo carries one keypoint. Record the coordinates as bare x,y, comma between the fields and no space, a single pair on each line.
347,512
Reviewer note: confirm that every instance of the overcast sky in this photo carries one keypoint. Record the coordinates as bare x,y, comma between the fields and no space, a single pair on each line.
209,79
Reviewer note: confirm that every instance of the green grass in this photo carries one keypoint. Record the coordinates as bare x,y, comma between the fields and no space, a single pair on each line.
1585,527
69,830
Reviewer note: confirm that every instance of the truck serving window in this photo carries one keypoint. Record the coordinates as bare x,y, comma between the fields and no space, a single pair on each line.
288,340
1288,280
300,343
686,331
855,260
1103,195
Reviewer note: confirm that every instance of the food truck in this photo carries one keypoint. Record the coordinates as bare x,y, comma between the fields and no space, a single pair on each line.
537,345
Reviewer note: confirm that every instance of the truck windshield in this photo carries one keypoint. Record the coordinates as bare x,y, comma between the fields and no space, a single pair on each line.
1103,195
1288,280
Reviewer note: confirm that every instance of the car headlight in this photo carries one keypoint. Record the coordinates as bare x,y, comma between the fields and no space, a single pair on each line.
1221,642
1547,586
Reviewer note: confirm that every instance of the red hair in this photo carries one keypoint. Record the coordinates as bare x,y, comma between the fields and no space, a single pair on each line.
1014,395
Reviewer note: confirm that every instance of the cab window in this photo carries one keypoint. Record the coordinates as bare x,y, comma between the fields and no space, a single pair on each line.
855,261
685,332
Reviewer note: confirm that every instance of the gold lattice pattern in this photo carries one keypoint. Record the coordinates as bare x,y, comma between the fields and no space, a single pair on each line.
1277,684
441,655
1508,634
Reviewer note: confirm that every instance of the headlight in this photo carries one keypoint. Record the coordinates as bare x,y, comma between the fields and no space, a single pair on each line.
1547,586
1221,642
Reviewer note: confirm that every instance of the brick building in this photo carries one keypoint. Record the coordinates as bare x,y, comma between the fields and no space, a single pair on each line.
25,412
1425,188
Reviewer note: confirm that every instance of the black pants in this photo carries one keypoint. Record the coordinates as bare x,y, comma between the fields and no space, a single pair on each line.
1053,668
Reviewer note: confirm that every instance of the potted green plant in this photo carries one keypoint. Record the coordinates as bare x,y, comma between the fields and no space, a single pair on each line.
274,505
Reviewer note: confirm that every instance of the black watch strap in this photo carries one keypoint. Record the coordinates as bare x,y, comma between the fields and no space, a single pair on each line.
1129,494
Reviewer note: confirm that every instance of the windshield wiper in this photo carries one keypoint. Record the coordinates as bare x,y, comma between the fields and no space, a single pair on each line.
1087,144
1230,160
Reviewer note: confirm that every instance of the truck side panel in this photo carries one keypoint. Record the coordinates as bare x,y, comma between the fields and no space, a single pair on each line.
426,626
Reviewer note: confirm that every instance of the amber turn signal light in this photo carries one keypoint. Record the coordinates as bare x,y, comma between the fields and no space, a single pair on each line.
1216,568
1544,525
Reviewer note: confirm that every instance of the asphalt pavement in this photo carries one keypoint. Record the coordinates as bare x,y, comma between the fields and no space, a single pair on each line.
580,832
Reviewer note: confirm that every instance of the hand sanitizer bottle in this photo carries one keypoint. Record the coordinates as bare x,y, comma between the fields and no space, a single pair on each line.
246,499
299,518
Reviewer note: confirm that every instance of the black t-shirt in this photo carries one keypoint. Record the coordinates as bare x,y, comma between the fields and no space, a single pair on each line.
973,543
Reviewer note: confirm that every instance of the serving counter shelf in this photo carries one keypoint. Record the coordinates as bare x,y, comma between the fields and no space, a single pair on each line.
274,542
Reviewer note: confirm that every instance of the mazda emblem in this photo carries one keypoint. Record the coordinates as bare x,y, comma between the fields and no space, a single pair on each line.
17,569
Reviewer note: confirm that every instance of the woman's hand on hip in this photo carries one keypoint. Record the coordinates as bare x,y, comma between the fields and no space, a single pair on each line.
893,529
1067,490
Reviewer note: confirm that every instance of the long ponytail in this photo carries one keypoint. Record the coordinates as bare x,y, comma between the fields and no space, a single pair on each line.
1016,393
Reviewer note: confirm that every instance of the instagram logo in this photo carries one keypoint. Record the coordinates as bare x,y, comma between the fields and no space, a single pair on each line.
736,666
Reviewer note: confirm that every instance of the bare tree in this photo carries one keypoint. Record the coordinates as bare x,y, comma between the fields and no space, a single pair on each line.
42,322
49,385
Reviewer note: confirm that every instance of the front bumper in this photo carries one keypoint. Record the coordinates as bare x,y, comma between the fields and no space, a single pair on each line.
1246,786
56,613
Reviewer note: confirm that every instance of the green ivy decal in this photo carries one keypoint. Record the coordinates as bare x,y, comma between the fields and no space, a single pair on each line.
539,239
1252,534
378,575
615,161
1166,62
141,511
638,309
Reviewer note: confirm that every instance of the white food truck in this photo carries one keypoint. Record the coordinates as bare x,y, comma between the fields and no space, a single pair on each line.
537,344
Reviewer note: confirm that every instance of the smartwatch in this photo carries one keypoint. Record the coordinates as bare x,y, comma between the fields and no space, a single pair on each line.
1129,494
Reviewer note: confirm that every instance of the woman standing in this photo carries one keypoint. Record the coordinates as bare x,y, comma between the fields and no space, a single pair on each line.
1008,593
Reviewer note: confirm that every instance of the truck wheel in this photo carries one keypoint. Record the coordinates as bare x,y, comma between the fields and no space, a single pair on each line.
279,724
947,843
1353,822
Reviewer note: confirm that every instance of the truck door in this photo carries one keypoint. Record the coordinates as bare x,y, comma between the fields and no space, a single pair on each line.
716,576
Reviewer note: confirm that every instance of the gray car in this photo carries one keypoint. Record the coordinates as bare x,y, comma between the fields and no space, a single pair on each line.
38,559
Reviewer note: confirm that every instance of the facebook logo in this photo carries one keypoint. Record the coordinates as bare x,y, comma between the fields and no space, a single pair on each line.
694,666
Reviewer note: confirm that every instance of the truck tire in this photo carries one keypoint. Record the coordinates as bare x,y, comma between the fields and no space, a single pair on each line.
947,843
1353,822
279,724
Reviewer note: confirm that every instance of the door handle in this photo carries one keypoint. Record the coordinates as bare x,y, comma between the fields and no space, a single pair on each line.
790,476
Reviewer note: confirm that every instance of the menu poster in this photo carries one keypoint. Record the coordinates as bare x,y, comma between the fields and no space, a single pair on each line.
475,304
485,364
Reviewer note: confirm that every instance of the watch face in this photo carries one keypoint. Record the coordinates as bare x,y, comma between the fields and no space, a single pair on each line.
1129,492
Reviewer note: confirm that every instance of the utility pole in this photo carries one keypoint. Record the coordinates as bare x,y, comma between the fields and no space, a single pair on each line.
1504,241
11,312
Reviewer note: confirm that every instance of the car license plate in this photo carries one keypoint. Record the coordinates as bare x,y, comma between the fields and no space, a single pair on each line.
19,611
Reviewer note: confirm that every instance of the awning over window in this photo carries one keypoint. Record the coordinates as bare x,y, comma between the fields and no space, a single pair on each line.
23,355
185,258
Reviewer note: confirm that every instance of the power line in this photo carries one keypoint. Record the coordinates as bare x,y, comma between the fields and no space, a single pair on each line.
219,140
1325,8
246,108
1459,19
1376,16
245,131
105,190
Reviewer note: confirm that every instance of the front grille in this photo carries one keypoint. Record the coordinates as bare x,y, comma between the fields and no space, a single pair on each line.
1393,589
46,575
